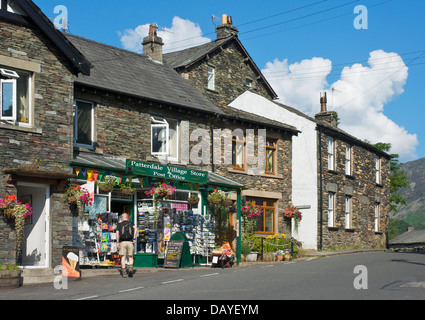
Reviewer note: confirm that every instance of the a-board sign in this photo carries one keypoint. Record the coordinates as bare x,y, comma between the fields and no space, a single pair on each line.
71,263
174,252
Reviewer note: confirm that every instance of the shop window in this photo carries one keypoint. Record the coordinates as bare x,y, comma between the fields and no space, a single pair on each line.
331,210
265,221
84,124
331,153
15,96
211,78
270,157
164,138
238,153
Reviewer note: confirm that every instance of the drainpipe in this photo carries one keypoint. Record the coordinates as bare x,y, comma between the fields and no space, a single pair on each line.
212,148
321,189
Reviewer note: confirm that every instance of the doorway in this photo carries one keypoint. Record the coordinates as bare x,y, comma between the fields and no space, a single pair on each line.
35,242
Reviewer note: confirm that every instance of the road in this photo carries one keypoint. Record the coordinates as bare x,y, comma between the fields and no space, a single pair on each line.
380,275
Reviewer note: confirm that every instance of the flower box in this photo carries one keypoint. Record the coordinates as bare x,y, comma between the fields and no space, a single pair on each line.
10,279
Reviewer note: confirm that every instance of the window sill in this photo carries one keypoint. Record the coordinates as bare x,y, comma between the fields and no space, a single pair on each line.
333,228
349,176
332,171
8,126
379,233
272,175
350,230
379,185
211,90
88,149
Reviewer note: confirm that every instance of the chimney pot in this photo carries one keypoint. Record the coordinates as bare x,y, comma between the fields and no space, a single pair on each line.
323,101
226,29
152,44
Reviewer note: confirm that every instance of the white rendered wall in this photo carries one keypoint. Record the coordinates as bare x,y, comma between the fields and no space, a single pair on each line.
304,160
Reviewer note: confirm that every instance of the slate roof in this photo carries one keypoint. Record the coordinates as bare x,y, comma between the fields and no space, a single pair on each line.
409,237
132,74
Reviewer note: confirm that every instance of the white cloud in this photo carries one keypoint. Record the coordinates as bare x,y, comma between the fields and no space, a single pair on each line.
359,97
182,34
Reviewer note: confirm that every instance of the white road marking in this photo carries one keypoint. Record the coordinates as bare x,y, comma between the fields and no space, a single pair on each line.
86,298
209,275
178,280
132,289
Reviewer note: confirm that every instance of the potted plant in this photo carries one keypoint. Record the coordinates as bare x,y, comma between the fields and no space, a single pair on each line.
108,185
215,197
293,213
17,211
10,276
193,199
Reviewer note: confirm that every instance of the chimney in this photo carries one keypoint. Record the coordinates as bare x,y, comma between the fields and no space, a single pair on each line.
226,29
152,44
330,117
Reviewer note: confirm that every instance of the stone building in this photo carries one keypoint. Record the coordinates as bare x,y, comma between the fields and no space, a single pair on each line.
353,190
343,189
221,70
143,93
37,68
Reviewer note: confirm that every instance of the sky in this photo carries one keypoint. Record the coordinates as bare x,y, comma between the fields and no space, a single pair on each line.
368,55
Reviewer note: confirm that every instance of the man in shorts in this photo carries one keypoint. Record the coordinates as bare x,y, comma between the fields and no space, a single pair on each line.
126,237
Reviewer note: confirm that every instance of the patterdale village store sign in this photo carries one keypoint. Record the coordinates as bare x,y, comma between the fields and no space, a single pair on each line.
166,172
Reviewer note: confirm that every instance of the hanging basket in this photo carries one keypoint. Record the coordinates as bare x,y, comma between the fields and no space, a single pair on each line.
9,213
193,201
72,200
127,192
216,201
227,203
105,188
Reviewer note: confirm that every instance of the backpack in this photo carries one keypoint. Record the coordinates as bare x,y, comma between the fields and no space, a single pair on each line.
126,231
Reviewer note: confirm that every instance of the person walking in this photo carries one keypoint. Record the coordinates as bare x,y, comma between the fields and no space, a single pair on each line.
126,237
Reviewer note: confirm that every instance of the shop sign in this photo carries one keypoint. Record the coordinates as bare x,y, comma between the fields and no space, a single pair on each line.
174,252
166,172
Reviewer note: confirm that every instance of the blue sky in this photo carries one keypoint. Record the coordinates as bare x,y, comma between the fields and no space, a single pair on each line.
303,47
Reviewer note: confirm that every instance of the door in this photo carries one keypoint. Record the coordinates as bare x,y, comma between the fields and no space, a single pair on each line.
36,231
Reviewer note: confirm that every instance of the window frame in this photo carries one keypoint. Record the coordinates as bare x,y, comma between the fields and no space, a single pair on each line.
211,78
14,100
378,166
348,159
331,153
377,217
331,209
265,207
158,122
235,143
272,147
81,145
348,212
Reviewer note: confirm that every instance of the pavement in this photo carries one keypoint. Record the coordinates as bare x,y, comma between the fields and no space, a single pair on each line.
36,276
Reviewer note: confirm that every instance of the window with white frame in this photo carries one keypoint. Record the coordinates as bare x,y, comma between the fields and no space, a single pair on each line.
347,212
211,78
331,153
84,124
348,160
378,169
15,96
376,217
164,138
331,209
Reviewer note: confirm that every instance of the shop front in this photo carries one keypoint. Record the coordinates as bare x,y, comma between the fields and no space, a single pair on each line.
168,204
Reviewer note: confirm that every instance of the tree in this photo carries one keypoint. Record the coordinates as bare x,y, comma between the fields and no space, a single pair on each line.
398,177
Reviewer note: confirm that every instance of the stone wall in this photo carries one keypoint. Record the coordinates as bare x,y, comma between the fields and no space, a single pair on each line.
231,74
123,127
47,144
364,193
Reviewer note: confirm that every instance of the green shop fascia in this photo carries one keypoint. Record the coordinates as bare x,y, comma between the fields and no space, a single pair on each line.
181,235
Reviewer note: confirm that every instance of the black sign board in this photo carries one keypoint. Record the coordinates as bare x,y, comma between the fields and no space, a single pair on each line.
174,252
